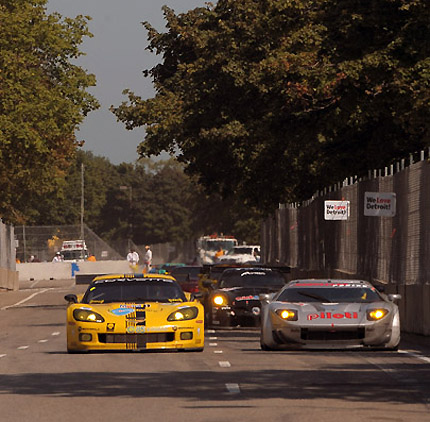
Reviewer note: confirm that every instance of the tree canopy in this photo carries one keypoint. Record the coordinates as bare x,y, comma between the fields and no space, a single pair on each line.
267,101
44,99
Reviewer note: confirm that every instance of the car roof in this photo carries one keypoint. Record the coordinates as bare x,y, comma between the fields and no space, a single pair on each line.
328,282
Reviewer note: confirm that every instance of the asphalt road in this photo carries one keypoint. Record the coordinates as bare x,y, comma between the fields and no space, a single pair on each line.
232,380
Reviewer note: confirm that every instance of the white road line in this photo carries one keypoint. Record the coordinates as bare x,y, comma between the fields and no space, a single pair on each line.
25,300
2,356
415,355
233,388
56,333
225,364
213,338
23,347
33,284
42,341
217,351
210,331
213,344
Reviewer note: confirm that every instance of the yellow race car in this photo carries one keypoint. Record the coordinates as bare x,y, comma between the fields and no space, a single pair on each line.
134,312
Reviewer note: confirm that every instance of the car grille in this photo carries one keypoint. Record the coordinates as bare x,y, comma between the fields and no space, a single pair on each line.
139,339
328,335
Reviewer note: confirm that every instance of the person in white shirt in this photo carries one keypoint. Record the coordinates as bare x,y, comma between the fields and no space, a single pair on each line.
133,259
58,257
147,259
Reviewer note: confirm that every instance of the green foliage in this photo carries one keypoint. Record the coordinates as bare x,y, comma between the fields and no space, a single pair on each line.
44,99
268,101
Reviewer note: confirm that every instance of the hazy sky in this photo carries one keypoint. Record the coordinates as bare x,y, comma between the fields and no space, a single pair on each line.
116,55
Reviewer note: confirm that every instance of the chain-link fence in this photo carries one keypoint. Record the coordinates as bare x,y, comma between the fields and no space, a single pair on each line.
393,250
41,242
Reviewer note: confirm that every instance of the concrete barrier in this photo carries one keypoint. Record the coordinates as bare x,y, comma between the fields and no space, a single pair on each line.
8,279
63,270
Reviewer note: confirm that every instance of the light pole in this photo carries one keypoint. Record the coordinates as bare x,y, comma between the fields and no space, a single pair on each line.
130,212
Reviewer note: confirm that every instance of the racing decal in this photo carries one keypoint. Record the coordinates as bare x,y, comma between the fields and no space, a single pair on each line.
130,324
134,305
141,329
252,273
121,311
110,326
249,297
329,285
330,315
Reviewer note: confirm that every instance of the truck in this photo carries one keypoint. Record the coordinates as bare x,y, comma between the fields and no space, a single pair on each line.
74,250
207,246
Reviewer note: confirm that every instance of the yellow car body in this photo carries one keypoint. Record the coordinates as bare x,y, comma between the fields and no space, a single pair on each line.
134,312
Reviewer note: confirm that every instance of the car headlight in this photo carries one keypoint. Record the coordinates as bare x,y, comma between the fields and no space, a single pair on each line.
85,315
376,314
219,300
183,314
287,314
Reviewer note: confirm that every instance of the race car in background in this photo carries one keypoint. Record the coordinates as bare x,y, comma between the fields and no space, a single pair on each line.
134,312
329,314
235,299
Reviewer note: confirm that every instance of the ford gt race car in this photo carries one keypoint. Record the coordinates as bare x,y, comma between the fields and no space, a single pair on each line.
134,312
329,314
235,300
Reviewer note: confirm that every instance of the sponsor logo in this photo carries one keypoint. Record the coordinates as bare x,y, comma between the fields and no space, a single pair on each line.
331,315
141,329
110,326
250,297
121,311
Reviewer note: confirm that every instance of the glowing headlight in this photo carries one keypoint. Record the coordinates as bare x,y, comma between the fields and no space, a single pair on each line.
219,300
183,314
86,315
287,314
376,314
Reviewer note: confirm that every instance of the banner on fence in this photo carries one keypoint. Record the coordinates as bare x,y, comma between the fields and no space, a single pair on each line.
379,204
336,210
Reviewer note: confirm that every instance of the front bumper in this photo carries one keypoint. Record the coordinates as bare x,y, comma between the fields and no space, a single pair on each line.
81,337
228,316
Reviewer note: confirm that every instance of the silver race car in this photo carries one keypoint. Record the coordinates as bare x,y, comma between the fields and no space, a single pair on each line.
336,314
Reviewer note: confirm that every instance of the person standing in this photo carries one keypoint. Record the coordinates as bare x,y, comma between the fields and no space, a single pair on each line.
58,257
133,259
147,259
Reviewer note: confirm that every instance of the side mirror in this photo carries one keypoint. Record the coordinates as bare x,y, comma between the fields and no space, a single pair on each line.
393,297
71,298
264,297
196,295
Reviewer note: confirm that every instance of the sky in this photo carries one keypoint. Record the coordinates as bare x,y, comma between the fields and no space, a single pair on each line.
116,55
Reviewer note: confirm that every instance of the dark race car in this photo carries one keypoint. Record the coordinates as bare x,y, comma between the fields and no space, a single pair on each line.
329,314
235,300
188,277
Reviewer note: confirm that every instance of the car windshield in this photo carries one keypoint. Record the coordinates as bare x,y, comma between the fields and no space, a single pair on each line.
252,279
134,291
214,245
330,295
241,251
184,271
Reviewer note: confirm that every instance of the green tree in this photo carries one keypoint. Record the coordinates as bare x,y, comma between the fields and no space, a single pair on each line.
268,101
44,99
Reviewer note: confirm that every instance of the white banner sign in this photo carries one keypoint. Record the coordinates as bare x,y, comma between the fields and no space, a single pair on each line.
380,204
336,210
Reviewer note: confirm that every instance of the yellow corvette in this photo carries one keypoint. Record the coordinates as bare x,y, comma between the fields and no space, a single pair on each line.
134,312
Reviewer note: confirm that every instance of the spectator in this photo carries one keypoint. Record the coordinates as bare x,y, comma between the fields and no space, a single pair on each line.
58,257
133,259
147,259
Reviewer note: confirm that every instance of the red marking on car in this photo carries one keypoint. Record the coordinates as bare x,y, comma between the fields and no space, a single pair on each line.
330,315
250,297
